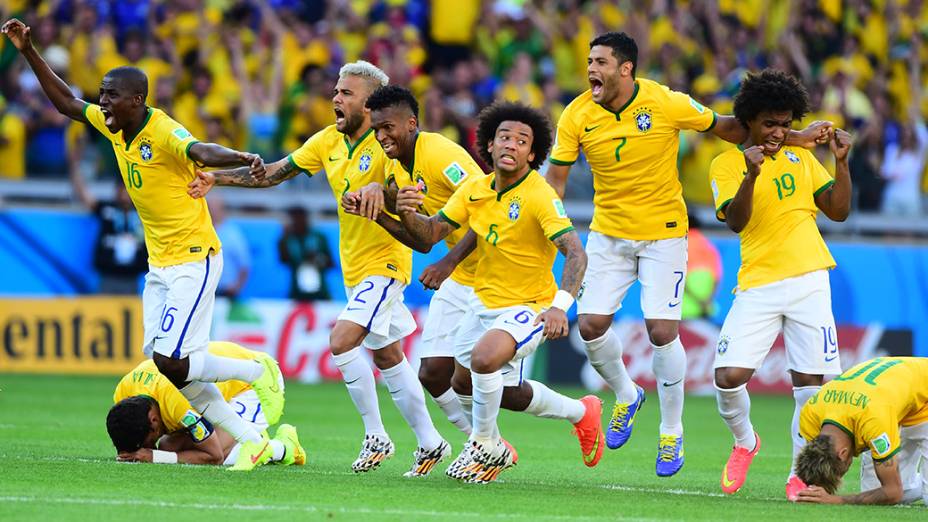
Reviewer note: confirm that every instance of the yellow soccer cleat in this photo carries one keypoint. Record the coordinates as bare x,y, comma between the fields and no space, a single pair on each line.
295,454
269,389
253,454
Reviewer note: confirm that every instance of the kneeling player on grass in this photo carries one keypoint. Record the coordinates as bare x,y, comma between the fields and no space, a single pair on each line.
152,422
520,224
769,193
878,410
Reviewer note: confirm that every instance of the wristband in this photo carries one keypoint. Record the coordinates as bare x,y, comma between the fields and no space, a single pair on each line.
163,457
562,300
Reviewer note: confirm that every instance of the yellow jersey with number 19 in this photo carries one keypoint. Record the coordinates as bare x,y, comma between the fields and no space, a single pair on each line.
145,379
633,156
364,247
515,229
156,169
442,166
781,239
870,402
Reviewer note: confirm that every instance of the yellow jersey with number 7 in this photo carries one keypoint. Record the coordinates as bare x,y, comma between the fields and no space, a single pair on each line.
870,402
633,156
156,169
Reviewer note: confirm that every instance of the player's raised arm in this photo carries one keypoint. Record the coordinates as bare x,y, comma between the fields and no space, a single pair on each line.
55,88
835,201
817,133
214,155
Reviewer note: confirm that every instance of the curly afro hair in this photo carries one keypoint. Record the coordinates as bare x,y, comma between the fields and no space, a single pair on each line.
392,96
770,91
127,422
490,118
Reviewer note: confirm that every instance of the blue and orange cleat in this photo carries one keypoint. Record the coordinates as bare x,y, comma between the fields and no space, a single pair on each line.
623,420
669,455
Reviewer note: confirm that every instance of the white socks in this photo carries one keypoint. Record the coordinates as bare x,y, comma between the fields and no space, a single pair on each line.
206,398
605,354
207,367
488,393
407,393
735,409
800,394
454,410
550,404
276,446
669,365
359,379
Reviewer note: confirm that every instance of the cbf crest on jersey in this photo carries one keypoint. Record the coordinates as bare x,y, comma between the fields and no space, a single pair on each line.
145,150
643,119
723,344
364,163
792,157
515,208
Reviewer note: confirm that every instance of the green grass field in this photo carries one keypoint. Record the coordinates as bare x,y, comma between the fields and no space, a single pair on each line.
56,463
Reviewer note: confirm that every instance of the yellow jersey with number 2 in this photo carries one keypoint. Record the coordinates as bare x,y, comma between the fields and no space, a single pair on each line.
515,229
870,402
156,169
633,156
442,166
781,239
364,247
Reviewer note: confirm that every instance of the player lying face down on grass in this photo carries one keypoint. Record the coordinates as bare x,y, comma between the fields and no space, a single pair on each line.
152,422
520,224
877,410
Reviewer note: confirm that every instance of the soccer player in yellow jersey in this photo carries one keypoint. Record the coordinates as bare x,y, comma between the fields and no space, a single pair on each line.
152,422
376,267
879,411
628,129
520,224
156,158
770,193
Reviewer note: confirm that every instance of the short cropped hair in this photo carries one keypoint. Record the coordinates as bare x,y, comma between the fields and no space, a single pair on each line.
127,422
393,96
818,464
490,118
770,90
370,72
132,79
623,47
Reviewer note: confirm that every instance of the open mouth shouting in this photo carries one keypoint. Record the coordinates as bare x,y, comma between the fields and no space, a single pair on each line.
109,120
596,86
339,117
506,160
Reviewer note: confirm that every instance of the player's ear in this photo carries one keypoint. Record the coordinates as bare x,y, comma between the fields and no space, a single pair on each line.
490,146
531,157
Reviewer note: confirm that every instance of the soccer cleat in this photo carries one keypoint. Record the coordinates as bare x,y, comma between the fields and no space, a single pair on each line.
793,486
623,420
589,431
512,449
253,454
481,463
294,454
374,450
426,460
269,390
669,455
736,469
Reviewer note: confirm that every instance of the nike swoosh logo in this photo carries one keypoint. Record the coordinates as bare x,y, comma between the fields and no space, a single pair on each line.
471,198
725,482
588,129
592,454
353,308
333,159
255,458
160,337
673,305
352,382
829,359
669,384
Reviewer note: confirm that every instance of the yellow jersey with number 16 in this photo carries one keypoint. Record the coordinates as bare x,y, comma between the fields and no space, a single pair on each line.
633,156
364,247
156,169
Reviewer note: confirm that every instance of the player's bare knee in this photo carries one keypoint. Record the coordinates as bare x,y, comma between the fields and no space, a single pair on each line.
517,398
461,384
806,379
483,360
435,375
729,378
176,370
593,326
344,337
662,332
388,356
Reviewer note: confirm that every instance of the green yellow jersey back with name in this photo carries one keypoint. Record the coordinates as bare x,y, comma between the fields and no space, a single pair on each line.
633,156
365,248
156,169
781,239
442,166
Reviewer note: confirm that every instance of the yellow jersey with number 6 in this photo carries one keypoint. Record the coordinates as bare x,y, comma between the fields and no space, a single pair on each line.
633,156
515,229
870,402
781,239
364,247
442,166
156,169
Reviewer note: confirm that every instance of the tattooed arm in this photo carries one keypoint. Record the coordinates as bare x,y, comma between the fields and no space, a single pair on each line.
421,229
242,177
399,232
555,317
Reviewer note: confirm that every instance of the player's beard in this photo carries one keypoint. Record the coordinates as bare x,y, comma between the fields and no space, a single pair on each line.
353,122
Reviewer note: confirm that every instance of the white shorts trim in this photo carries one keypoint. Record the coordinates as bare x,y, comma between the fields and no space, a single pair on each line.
447,310
376,304
614,264
177,304
798,306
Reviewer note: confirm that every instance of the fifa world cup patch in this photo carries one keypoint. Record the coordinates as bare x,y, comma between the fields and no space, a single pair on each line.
559,208
454,173
643,119
880,444
181,133
199,428
145,150
698,106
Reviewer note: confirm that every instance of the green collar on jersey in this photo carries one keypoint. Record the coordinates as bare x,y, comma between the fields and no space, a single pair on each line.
139,130
361,139
499,195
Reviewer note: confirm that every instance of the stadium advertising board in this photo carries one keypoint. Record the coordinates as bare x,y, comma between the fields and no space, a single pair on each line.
89,335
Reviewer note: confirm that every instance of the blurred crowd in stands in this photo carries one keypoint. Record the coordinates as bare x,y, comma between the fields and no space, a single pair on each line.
257,74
